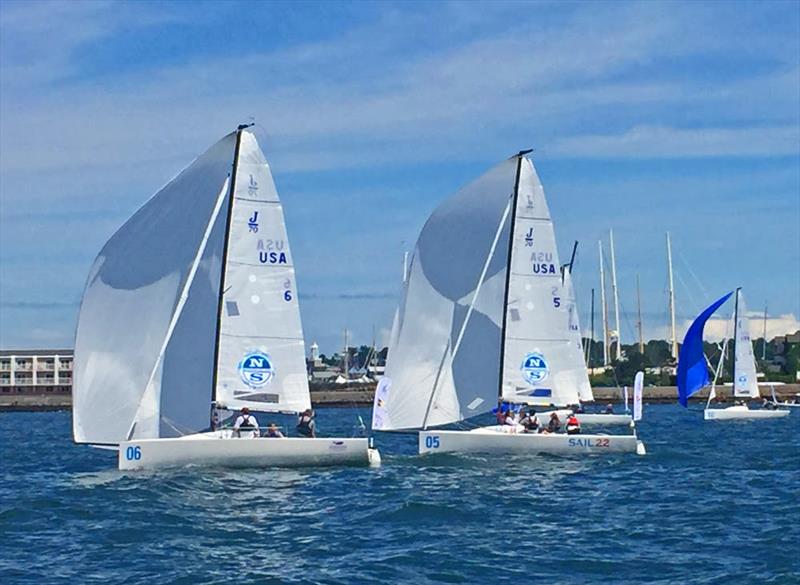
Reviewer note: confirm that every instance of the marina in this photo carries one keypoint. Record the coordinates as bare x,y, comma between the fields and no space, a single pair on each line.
465,292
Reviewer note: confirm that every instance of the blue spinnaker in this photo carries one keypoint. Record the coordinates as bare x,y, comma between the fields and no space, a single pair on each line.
692,368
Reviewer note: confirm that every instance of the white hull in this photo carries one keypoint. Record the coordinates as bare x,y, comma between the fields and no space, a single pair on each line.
604,419
219,450
741,413
491,440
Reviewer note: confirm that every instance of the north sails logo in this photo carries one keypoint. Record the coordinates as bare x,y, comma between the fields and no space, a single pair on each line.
534,368
255,369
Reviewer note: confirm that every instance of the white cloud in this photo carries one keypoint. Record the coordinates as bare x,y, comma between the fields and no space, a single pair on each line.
666,142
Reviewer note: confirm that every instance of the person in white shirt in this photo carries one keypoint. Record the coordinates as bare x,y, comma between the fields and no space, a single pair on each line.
246,425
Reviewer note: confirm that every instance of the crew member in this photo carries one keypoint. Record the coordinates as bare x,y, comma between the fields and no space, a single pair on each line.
573,425
554,425
246,425
273,431
306,425
609,408
530,422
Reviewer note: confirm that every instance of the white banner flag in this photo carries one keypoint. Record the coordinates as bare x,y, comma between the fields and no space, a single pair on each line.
638,389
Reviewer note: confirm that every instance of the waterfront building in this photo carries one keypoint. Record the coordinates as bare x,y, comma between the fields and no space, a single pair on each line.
35,371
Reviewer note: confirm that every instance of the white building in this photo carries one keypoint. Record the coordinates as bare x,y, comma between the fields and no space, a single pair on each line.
35,371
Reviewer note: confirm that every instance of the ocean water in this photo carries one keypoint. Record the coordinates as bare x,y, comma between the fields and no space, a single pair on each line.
710,503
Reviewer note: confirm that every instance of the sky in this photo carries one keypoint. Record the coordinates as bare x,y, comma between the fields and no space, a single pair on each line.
644,117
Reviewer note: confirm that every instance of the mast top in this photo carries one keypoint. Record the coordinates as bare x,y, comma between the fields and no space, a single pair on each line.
524,152
241,127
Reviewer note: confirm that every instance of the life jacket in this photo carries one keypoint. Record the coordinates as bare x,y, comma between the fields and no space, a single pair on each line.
247,422
573,422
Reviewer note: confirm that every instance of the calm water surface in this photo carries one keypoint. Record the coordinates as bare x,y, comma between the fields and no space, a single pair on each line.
710,503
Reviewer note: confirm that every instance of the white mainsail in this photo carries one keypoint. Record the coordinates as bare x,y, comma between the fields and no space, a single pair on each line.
450,351
577,359
261,361
745,382
131,296
538,365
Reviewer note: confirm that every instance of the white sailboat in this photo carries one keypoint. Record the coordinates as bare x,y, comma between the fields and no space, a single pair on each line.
693,368
585,394
191,304
485,318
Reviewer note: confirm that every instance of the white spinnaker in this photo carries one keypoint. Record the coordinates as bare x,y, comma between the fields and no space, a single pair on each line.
130,297
430,384
745,383
584,387
261,353
538,365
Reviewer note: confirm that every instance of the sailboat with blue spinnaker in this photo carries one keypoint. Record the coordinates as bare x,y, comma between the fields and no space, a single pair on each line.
693,366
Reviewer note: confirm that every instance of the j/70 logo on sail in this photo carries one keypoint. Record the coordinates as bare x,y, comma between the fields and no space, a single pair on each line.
534,368
256,369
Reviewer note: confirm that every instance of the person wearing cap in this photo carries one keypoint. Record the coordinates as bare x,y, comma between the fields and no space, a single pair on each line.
573,425
246,425
306,425
609,408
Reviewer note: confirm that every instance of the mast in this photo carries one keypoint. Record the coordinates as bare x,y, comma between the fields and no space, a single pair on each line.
224,265
405,266
673,339
616,296
603,307
345,356
764,344
735,338
514,201
639,315
591,339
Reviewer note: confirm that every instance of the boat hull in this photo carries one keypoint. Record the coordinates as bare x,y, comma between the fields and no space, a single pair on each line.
492,441
208,449
604,419
741,413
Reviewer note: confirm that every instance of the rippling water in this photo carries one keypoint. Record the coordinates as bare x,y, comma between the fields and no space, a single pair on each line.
710,503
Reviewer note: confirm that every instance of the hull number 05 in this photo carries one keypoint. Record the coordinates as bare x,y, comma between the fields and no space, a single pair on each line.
432,442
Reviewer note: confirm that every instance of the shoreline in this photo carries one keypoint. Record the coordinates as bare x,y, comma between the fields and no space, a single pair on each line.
363,396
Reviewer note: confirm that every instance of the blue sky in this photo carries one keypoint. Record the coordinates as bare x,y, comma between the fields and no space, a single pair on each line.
644,117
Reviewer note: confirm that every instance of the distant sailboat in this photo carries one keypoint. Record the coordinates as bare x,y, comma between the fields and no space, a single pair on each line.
693,366
190,309
485,318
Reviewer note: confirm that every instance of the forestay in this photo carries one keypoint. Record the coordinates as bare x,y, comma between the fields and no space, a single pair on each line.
540,365
745,384
129,308
261,360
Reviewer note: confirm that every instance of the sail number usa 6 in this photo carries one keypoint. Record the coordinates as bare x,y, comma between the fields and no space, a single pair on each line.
133,453
432,442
